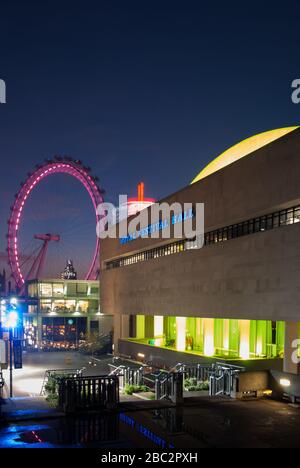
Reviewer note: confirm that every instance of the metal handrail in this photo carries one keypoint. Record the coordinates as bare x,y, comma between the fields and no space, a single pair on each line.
224,365
116,370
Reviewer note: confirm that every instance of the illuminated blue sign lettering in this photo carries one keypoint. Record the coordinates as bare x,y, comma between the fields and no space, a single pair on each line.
157,227
145,432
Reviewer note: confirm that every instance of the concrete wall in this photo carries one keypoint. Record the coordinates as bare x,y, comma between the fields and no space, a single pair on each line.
166,358
253,277
253,381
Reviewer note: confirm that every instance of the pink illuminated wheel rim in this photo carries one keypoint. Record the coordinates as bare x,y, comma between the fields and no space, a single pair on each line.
59,165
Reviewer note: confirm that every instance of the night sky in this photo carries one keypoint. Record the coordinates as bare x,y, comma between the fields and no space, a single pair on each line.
139,90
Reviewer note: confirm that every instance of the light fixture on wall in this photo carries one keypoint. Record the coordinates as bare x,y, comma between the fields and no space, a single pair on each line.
285,382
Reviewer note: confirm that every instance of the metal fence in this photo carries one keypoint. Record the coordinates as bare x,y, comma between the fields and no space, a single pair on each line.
88,393
200,372
170,387
223,379
127,375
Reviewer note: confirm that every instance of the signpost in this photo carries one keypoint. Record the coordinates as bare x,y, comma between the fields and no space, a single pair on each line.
17,350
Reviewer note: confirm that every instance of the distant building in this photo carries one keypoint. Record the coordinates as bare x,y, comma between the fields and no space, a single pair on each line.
59,313
69,272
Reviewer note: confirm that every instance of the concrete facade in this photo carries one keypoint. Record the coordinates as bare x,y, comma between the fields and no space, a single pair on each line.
256,276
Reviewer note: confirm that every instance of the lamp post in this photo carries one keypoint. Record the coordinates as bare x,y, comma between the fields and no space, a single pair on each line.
11,319
10,362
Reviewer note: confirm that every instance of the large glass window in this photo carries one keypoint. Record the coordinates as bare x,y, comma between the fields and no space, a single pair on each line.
46,289
71,289
82,289
225,338
70,305
58,289
58,305
46,305
82,306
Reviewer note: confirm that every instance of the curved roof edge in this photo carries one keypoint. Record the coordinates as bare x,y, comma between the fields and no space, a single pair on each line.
242,149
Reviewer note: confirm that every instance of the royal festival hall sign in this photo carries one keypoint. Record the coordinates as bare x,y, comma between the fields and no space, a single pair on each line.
158,226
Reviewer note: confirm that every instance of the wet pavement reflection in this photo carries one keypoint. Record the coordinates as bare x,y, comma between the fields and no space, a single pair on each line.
206,423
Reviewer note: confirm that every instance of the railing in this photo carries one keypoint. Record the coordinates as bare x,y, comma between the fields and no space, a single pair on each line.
170,387
223,379
201,372
88,393
127,375
59,373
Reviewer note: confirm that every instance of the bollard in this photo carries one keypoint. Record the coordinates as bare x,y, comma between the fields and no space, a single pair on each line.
177,393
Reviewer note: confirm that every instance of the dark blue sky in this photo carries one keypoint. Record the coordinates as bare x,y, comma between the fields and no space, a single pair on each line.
138,90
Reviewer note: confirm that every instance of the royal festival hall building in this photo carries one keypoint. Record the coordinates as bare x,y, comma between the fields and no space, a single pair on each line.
238,297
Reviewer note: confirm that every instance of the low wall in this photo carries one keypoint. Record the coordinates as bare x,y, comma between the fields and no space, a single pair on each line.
291,389
166,358
252,384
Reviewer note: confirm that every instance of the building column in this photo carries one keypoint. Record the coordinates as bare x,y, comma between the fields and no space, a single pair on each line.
116,332
140,327
158,325
244,339
88,326
209,337
149,326
290,351
105,324
121,329
39,323
180,333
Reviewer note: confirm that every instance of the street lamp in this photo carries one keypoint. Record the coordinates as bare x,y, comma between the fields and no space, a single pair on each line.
11,321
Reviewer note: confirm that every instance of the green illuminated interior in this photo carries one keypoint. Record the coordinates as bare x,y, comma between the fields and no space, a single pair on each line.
227,338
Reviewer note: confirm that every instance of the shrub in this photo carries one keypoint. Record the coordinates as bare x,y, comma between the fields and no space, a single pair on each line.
191,385
130,389
192,382
204,385
52,399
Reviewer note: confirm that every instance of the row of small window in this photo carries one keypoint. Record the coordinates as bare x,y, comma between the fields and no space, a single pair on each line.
260,224
61,289
169,249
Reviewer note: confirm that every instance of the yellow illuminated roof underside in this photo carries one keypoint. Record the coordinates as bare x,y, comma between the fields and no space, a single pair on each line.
242,149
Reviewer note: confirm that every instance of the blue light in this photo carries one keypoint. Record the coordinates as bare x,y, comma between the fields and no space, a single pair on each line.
10,315
12,319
